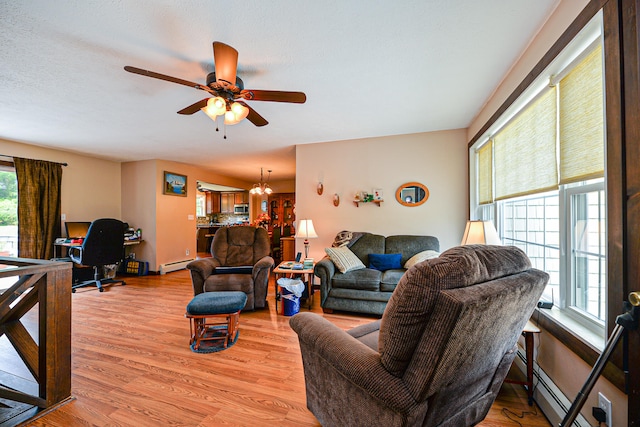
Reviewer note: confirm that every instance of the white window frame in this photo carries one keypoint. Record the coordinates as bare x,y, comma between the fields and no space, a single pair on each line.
565,311
568,300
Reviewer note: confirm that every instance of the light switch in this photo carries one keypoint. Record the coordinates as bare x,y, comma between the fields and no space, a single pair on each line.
190,217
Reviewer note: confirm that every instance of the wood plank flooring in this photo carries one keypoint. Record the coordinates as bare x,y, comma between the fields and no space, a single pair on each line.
132,365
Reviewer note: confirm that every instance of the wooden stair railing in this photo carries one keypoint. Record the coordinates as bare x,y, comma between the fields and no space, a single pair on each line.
48,284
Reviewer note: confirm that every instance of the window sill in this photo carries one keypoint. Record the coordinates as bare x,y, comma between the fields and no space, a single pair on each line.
581,345
590,336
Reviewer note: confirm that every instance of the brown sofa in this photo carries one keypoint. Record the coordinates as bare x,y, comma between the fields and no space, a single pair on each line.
440,352
240,261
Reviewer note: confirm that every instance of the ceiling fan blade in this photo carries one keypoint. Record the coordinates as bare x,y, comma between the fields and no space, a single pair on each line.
194,108
166,78
226,62
253,116
274,96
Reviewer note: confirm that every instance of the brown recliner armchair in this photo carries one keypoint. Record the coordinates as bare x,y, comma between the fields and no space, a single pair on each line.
440,352
240,262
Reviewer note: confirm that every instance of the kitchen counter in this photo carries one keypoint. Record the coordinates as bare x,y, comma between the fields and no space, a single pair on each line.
219,224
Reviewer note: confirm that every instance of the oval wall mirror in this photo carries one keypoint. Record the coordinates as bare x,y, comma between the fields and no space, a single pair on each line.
412,194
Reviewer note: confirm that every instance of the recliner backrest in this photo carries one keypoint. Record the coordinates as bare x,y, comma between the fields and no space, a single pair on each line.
451,319
104,242
241,245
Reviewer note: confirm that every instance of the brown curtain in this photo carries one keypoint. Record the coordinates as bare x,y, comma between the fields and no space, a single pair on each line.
39,184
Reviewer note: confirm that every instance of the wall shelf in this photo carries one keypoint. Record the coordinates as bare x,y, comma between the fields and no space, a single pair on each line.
377,202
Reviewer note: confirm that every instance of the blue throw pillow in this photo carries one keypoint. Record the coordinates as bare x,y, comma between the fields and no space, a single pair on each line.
385,262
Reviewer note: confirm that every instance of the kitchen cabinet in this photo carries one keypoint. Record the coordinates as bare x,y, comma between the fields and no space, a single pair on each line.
227,200
241,197
213,202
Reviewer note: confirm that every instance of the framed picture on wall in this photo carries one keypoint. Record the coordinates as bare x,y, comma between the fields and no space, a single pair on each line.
175,184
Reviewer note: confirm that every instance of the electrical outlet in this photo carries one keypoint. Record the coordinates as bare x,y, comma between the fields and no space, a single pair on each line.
605,405
187,252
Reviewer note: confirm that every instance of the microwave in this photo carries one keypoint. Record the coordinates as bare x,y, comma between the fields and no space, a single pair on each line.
241,209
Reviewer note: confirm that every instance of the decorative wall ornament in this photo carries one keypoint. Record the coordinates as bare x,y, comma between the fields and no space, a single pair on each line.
336,199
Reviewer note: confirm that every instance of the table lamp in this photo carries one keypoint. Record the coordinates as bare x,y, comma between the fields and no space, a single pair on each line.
480,233
305,230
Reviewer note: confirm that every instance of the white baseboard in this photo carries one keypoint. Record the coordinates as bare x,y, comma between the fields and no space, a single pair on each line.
553,403
173,266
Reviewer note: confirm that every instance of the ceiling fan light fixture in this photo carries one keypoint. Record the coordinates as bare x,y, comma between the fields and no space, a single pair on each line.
216,106
230,118
236,113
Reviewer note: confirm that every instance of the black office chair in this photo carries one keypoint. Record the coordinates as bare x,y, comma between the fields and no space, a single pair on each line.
103,245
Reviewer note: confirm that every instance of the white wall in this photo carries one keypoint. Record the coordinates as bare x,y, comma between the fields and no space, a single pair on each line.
435,159
90,186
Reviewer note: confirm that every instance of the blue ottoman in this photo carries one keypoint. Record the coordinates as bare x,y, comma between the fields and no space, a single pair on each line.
214,316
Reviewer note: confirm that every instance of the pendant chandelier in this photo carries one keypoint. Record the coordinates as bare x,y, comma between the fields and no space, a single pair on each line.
263,186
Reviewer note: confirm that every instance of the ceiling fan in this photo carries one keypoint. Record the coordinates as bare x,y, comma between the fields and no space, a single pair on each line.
226,90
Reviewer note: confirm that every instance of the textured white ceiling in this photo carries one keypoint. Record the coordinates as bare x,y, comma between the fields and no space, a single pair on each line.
368,67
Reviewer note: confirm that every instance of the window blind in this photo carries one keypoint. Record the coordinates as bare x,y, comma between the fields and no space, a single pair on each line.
582,120
485,173
525,150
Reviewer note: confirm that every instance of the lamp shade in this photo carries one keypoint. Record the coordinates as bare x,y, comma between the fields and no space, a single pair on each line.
235,114
480,233
305,229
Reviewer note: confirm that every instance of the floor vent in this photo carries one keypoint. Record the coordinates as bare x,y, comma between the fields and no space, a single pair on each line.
173,266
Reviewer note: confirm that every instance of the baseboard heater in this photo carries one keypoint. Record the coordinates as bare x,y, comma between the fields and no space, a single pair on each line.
173,266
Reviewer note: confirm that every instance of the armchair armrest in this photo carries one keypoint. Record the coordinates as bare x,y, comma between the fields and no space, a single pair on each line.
201,269
262,264
261,272
333,348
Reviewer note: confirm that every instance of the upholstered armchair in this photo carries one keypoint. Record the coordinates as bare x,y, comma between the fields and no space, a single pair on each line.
440,352
239,261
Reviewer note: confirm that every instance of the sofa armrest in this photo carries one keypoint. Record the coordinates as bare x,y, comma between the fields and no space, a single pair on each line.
201,269
325,270
332,348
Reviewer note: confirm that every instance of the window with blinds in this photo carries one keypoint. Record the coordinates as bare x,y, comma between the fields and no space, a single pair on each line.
485,173
557,139
581,121
525,150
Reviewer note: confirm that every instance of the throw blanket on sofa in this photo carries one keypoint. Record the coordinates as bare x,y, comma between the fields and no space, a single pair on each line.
346,238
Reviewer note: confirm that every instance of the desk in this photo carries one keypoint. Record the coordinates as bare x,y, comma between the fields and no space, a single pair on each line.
305,274
528,333
61,245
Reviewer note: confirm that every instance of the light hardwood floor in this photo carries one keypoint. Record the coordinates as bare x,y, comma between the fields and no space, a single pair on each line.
132,365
